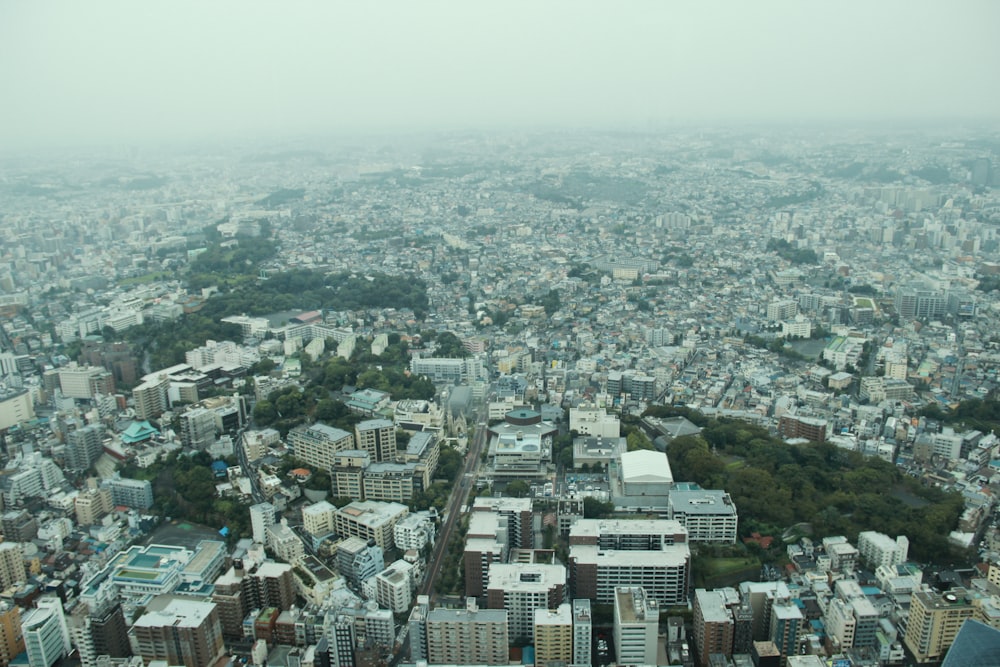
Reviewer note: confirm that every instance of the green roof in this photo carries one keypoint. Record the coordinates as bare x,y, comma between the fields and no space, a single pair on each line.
139,431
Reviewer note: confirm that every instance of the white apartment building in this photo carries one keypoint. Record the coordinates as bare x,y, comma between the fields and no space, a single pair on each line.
878,550
709,516
637,619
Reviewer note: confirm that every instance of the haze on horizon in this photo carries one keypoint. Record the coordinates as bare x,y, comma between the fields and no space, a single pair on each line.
103,71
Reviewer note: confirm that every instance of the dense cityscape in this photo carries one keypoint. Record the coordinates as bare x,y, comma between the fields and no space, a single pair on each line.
685,396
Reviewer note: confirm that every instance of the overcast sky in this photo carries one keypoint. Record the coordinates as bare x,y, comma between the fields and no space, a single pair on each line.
94,71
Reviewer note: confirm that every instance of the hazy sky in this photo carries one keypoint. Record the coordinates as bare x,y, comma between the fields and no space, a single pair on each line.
94,70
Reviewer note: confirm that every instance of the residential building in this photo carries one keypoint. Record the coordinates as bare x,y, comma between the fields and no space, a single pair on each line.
521,589
394,587
605,554
12,569
370,520
180,632
84,446
637,621
713,625
317,445
708,516
134,493
262,516
554,636
935,619
877,549
16,407
358,560
378,438
317,519
471,636
11,634
583,632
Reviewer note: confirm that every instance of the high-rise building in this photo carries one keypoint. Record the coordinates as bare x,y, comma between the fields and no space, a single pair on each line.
637,621
713,625
12,569
46,634
378,438
583,632
151,397
486,542
519,518
522,588
554,636
709,516
11,635
85,382
93,504
394,587
471,636
935,619
84,446
135,493
786,624
316,445
198,428
605,554
262,517
247,586
181,632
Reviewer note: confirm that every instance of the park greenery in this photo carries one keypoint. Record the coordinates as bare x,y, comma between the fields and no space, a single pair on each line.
293,290
825,489
790,253
184,487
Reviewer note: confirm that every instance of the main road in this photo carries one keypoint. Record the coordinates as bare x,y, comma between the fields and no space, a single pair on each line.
460,493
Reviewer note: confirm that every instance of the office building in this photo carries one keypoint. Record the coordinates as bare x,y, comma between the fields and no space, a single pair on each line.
637,620
180,632
935,620
46,633
85,382
470,636
554,636
523,588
